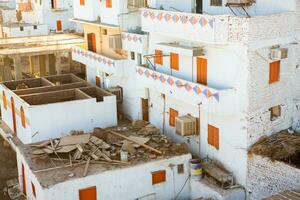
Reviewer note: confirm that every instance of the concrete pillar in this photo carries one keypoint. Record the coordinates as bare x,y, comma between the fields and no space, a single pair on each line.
51,64
31,64
58,63
18,68
6,76
70,61
42,65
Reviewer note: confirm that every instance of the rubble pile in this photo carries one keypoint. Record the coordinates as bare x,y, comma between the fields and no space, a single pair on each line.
22,86
137,142
282,146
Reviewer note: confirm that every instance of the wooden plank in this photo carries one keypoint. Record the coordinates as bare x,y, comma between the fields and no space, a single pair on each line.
137,142
86,167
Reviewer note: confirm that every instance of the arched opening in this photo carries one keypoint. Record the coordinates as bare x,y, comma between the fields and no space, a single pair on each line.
13,111
23,119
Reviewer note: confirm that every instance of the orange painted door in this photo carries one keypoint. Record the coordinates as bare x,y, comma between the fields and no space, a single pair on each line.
98,81
202,71
23,180
13,112
145,109
88,194
91,42
58,25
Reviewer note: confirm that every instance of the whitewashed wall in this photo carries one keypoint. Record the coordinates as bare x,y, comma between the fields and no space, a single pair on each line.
15,31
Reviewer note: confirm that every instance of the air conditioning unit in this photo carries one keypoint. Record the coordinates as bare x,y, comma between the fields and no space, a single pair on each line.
115,41
186,125
279,53
136,3
118,91
239,2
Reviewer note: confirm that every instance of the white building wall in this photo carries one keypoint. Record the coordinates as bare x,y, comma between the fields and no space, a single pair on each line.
109,181
27,31
268,177
73,115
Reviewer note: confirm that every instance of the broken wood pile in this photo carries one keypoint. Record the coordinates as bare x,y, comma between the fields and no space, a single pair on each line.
282,146
22,86
117,146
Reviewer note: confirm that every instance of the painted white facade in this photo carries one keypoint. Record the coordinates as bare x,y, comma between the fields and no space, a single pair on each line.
136,181
19,30
57,119
238,96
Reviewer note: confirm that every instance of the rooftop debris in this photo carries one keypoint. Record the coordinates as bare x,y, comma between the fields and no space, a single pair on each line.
282,146
139,140
13,191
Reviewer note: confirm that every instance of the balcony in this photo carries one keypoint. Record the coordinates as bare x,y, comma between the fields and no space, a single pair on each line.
89,58
201,28
135,42
220,102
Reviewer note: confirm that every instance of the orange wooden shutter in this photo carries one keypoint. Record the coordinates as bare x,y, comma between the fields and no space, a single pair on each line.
23,119
23,179
88,194
174,61
173,114
213,136
58,25
202,71
158,177
158,59
82,2
108,3
98,81
274,71
4,100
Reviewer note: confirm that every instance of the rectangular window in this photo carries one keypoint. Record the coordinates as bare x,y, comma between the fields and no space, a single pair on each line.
108,3
158,177
139,58
104,31
35,27
88,194
274,72
275,112
213,136
173,114
158,57
180,168
33,189
132,55
174,61
216,2
82,2
21,28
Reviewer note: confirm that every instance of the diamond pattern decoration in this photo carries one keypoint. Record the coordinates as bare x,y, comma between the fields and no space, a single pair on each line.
197,89
140,71
188,87
154,76
146,14
203,21
179,83
170,81
162,79
184,19
159,16
152,15
167,17
193,20
147,73
175,18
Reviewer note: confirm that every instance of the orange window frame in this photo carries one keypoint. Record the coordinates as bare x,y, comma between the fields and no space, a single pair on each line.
158,57
174,61
274,71
158,177
23,119
82,2
88,193
108,3
213,136
4,100
173,114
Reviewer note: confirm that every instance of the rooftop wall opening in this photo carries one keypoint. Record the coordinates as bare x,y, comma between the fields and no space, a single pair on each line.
64,79
96,92
27,83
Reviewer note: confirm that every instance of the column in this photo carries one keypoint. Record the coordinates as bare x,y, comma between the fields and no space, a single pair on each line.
42,65
58,63
6,76
17,68
51,64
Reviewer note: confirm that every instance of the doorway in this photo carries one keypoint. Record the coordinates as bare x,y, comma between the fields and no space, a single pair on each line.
91,39
202,71
58,25
13,112
199,6
145,109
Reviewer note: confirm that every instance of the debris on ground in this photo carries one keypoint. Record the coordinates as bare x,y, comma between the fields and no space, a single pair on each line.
121,146
13,190
283,146
22,86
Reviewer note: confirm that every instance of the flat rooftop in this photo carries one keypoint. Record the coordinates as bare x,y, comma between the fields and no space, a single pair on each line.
39,44
55,89
85,154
